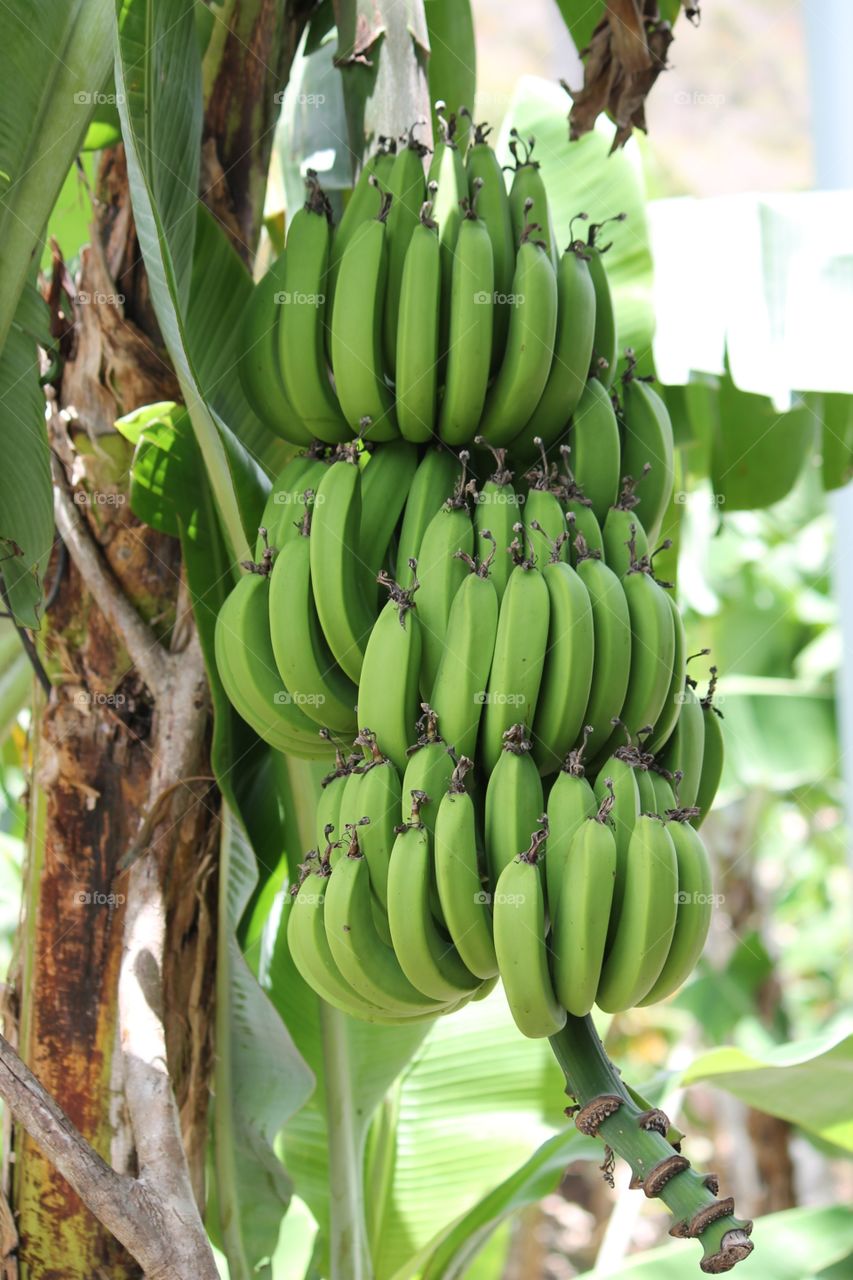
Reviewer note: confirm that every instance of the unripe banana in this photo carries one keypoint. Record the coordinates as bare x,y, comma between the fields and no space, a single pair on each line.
567,674
663,788
452,65
441,574
469,350
683,753
305,663
572,354
497,511
595,448
357,327
388,686
618,774
435,480
580,918
430,963
519,656
247,669
463,898
362,205
646,923
521,947
483,166
285,504
712,754
373,790
327,821
302,328
694,904
526,364
571,801
666,721
647,440
343,592
544,519
528,187
514,802
429,769
447,171
604,340
611,627
258,361
407,190
620,527
418,332
580,517
385,480
461,681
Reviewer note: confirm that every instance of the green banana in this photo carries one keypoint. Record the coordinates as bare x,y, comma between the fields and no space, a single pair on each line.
447,171
666,721
580,917
694,906
442,573
611,628
258,360
580,517
663,787
567,674
647,441
567,379
385,480
430,963
372,791
519,656
712,754
618,775
357,329
483,166
417,332
285,502
311,676
621,525
463,899
646,785
463,671
247,668
361,207
526,364
435,480
496,511
521,947
388,686
452,65
327,819
544,518
646,923
571,801
469,347
595,448
302,328
684,750
514,802
527,187
371,967
604,339
406,186
429,769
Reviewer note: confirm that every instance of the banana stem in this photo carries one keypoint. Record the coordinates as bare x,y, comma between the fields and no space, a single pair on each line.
607,1109
349,1258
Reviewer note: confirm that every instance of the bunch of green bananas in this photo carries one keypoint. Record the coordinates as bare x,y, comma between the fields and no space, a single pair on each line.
438,308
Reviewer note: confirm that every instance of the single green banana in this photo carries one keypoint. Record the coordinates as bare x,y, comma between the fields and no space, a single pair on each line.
363,204
646,786
447,171
528,187
483,166
388,686
370,966
580,918
258,360
594,441
684,750
712,754
571,801
343,589
417,332
469,349
385,480
462,895
668,718
373,791
569,371
406,186
544,518
357,328
524,369
429,769
327,820
462,678
619,775
519,657
521,946
647,441
302,328
452,65
567,674
247,669
694,907
663,786
604,338
611,628
441,574
621,525
646,923
514,803
436,479
496,510
580,517
311,676
285,504
429,961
